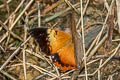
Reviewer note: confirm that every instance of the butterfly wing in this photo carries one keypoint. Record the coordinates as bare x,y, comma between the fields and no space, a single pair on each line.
58,44
41,36
50,40
64,58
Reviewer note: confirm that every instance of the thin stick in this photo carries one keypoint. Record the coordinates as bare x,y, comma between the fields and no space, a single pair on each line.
24,52
68,2
116,40
83,13
39,18
99,74
85,61
118,13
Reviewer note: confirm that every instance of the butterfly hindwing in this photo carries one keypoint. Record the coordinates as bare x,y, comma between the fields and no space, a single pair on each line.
64,58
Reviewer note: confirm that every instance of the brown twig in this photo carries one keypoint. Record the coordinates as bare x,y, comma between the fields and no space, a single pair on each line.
78,48
108,43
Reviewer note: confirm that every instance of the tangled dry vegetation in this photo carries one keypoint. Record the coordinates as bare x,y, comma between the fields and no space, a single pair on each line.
20,56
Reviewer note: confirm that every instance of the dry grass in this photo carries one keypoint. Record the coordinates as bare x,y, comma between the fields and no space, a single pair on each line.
20,57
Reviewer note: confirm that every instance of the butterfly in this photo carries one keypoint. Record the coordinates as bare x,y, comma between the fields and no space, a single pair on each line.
57,44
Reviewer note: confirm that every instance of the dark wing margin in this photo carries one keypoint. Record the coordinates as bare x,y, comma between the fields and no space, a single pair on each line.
56,58
41,37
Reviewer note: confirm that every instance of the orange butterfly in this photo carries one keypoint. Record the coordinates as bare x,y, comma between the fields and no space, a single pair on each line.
58,44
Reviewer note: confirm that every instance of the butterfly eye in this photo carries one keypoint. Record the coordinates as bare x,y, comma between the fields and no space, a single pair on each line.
55,57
